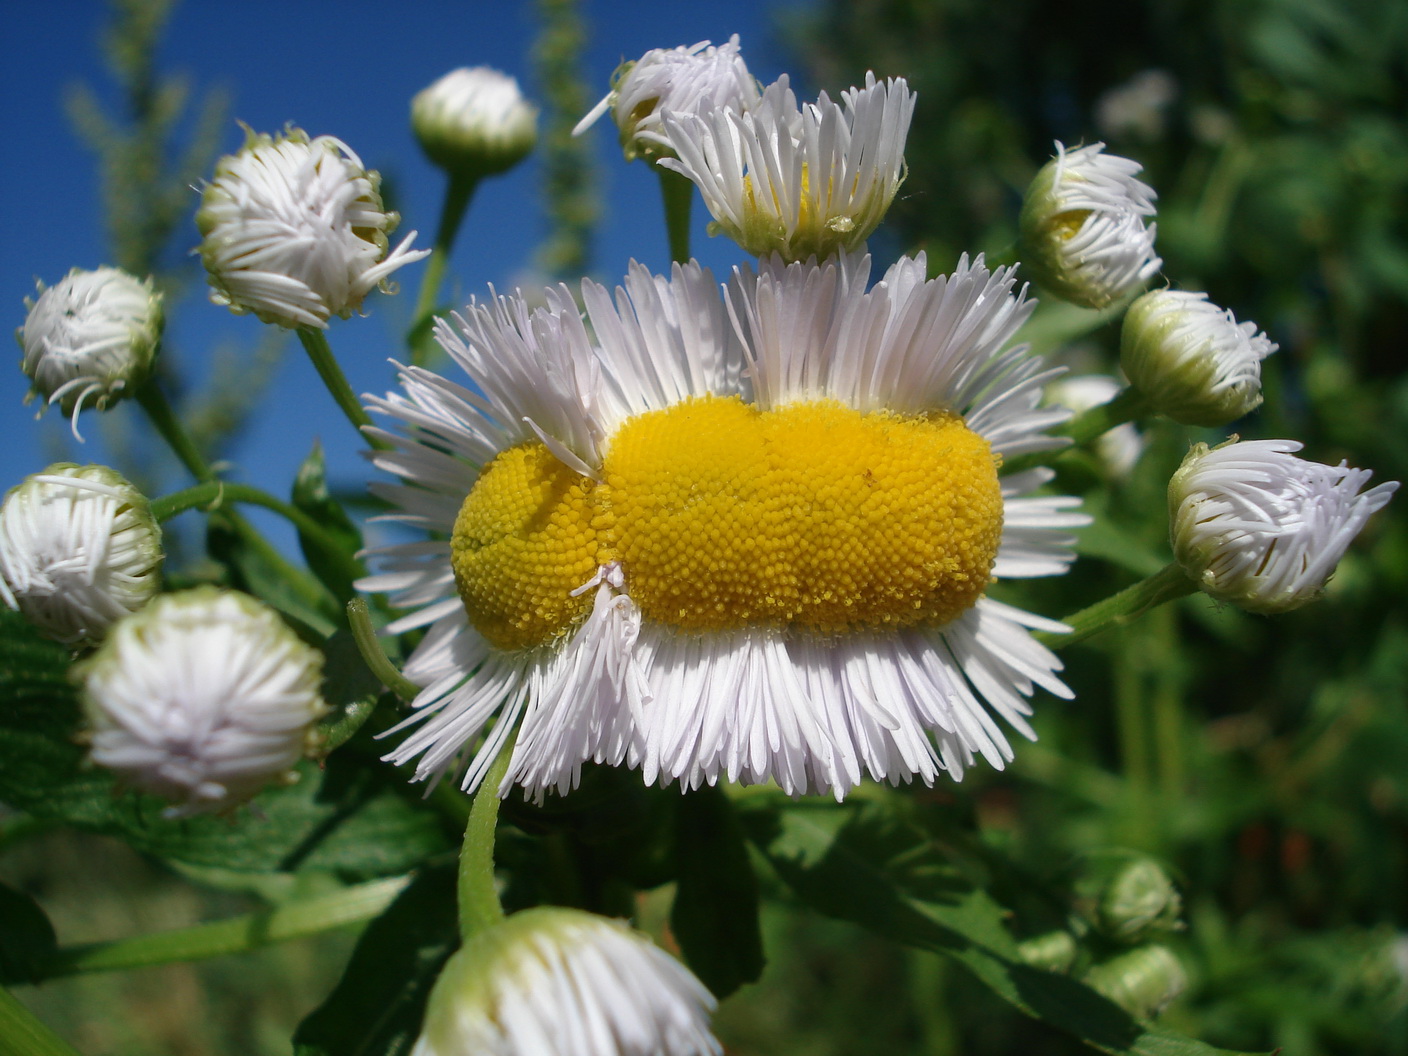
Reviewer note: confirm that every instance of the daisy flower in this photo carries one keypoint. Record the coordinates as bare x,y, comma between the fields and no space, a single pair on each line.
747,537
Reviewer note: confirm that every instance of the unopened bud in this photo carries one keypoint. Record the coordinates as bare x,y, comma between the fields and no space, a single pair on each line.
474,122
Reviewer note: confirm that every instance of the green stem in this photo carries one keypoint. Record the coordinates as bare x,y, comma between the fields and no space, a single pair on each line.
458,193
1132,722
1085,427
22,1033
1122,608
295,920
479,902
364,634
158,408
678,195
315,343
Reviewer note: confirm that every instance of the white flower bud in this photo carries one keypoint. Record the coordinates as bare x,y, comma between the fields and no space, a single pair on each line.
1143,981
203,698
1119,448
566,983
695,80
799,182
474,122
90,339
294,231
1138,899
1262,529
78,550
1191,359
1082,227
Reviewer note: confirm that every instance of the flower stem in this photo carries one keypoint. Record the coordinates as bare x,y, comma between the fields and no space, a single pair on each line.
294,920
1085,427
364,634
678,194
24,1034
478,901
1122,608
315,343
158,408
458,194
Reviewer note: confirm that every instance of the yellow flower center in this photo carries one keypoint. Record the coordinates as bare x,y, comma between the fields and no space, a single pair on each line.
812,517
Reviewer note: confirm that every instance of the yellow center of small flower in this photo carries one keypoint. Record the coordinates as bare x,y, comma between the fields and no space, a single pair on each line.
813,517
1067,225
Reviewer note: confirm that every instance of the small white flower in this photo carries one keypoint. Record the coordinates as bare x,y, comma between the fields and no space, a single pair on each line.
1262,529
686,80
797,181
560,982
294,231
78,550
1082,227
1191,359
90,339
1120,448
203,698
474,122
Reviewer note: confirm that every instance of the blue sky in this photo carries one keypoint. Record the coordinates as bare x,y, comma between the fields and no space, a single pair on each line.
347,69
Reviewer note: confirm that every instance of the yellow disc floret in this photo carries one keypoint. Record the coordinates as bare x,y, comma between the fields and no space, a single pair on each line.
813,517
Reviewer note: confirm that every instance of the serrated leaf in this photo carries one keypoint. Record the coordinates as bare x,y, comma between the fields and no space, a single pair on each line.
863,863
354,817
715,912
377,1006
311,495
27,938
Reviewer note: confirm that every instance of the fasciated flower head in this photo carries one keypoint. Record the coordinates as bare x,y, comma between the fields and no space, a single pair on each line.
1260,528
79,549
745,537
1083,230
294,231
1191,360
474,122
204,697
560,982
797,181
90,339
701,79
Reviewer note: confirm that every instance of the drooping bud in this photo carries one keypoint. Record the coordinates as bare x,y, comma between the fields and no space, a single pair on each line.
90,339
293,230
204,697
1143,981
1262,529
563,982
1192,360
474,122
1082,227
686,80
79,549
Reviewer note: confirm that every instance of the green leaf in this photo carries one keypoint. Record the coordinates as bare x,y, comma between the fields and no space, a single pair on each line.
27,938
311,495
715,912
864,863
377,1006
257,568
350,689
354,817
22,1034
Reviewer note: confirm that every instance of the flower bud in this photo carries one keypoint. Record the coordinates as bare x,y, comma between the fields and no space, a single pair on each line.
1054,951
474,122
90,339
294,231
696,80
1082,227
1142,981
1191,359
1262,529
79,549
1138,899
561,981
203,697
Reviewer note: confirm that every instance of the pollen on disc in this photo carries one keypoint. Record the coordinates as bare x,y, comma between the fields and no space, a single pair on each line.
813,516
525,539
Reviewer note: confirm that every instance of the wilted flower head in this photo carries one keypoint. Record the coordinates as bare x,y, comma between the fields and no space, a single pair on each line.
1119,448
203,698
294,231
686,80
1191,359
797,181
90,339
1262,529
1082,227
474,122
79,549
560,982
